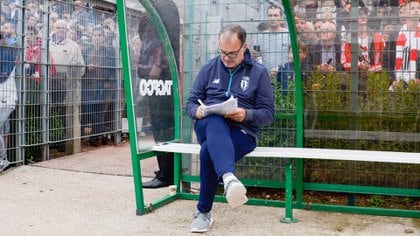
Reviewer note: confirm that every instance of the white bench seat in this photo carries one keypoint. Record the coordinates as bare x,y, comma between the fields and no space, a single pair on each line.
306,153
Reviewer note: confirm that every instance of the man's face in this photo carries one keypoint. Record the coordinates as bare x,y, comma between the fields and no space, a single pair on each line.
7,29
300,24
402,12
30,38
60,29
387,30
327,33
274,17
413,11
78,3
231,50
363,18
97,37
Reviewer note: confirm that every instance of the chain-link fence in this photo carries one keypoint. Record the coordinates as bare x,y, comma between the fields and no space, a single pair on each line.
66,60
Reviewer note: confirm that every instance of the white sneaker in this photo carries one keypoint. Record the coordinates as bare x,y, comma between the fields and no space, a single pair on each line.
3,164
235,192
202,222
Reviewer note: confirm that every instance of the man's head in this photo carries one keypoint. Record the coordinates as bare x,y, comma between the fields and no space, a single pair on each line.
274,17
413,11
8,29
31,35
327,33
363,15
403,13
300,22
60,29
388,27
98,36
232,45
78,4
309,32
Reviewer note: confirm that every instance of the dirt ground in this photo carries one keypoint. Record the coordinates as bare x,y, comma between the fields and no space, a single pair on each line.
92,193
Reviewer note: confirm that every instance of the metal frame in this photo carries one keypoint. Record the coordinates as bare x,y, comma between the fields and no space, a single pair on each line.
299,185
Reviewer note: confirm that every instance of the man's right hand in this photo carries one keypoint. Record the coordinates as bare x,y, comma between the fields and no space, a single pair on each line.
326,68
200,112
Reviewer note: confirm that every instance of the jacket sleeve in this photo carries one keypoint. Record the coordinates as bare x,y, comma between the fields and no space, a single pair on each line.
263,112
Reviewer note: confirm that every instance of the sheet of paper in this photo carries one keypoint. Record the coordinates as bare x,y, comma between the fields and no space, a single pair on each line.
221,108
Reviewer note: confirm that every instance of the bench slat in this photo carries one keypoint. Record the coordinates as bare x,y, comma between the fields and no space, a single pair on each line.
306,153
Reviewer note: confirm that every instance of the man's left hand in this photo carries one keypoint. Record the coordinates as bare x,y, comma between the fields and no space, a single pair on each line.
238,115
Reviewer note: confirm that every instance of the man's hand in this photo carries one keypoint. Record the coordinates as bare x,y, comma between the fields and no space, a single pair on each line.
200,112
326,67
238,115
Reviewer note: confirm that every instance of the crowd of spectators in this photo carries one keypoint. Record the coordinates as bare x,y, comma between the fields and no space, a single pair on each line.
382,34
40,26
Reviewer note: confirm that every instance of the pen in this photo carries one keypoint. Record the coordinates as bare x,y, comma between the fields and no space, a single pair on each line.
201,102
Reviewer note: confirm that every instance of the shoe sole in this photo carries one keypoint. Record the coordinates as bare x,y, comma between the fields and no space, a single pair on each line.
202,230
236,195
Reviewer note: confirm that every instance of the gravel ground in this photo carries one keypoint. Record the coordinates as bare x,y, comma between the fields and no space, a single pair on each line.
44,200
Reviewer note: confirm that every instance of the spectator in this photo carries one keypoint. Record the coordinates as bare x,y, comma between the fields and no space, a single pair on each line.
33,54
343,17
33,9
227,139
382,10
32,21
98,79
53,18
389,35
60,8
317,26
310,35
285,73
70,67
306,35
110,34
79,16
326,55
305,30
274,42
370,46
403,13
300,23
311,8
14,14
8,91
408,45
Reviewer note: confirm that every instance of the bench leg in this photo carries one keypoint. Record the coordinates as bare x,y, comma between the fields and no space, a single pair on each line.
289,195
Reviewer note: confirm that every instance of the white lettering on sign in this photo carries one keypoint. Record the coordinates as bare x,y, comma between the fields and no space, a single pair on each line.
155,87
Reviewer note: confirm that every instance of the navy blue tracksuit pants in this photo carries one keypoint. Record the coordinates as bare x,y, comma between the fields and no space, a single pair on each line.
221,146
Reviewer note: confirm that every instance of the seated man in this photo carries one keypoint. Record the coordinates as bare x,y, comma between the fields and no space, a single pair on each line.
225,139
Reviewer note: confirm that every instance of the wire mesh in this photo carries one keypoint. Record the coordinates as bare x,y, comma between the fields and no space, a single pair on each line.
352,97
55,108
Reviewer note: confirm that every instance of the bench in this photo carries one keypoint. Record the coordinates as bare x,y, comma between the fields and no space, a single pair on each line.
306,153
301,153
